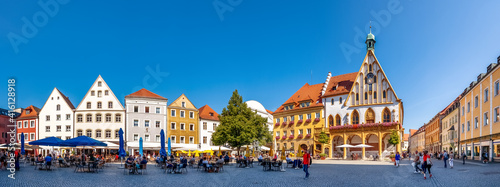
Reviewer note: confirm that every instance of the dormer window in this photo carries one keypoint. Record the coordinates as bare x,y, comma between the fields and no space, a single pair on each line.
28,112
211,114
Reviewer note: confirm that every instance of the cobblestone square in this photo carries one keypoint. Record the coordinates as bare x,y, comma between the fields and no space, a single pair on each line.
323,173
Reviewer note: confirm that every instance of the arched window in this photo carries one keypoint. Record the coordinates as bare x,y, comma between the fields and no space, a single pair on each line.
98,118
375,95
357,97
370,67
99,104
58,107
79,118
89,118
387,115
366,96
89,133
330,120
384,94
337,120
355,117
333,101
79,133
370,116
88,105
374,79
98,133
340,100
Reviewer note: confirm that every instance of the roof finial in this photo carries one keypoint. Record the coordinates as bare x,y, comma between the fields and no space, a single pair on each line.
370,26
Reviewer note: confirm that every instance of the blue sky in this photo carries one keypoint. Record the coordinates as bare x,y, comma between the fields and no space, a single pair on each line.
267,50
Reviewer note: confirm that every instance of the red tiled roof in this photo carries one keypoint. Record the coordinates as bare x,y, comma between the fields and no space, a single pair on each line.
66,99
33,112
412,132
405,137
268,111
306,93
208,113
344,83
143,93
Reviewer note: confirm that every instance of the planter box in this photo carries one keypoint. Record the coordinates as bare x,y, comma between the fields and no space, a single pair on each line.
299,136
322,158
290,123
277,124
308,120
283,138
308,136
316,120
284,123
277,137
299,122
290,137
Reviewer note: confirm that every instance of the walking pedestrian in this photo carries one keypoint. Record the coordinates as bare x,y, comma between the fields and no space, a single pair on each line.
427,164
445,158
416,163
463,158
306,161
397,158
452,157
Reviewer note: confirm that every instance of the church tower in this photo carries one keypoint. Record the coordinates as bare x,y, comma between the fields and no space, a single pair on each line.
370,41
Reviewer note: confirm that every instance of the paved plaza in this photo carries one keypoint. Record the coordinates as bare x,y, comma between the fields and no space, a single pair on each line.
323,173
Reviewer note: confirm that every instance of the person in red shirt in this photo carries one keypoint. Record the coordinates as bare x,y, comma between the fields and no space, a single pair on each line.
306,161
427,164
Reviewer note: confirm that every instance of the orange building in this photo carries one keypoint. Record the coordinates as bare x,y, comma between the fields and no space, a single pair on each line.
27,123
433,134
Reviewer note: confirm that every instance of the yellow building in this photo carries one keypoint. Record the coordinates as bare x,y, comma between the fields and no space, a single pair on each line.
182,122
480,115
300,120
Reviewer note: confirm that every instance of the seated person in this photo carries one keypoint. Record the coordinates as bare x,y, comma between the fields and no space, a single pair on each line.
260,158
192,160
40,158
288,159
226,159
206,163
48,160
219,162
144,160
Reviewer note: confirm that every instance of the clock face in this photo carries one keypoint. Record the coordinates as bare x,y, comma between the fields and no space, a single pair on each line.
369,78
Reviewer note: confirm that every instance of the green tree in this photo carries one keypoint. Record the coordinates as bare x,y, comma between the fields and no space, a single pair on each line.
323,139
394,138
239,125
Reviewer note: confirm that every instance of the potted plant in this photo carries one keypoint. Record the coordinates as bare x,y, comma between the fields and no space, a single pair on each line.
277,124
316,120
290,123
299,122
290,137
393,158
322,156
299,136
277,137
284,137
308,136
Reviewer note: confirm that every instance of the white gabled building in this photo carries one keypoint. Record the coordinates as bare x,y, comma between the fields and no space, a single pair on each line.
362,108
209,121
56,117
100,115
